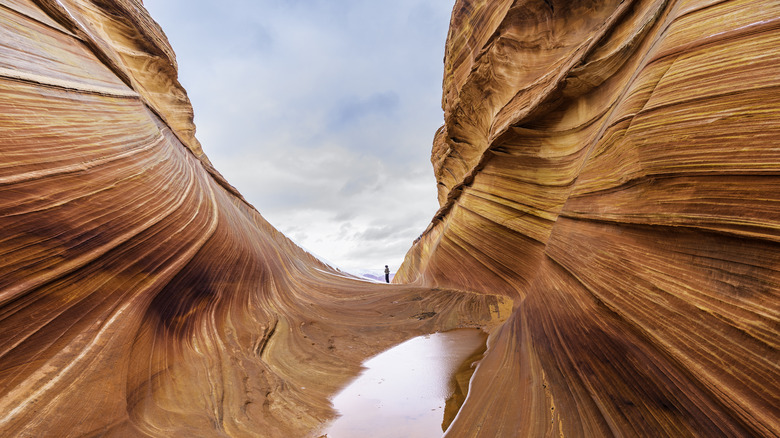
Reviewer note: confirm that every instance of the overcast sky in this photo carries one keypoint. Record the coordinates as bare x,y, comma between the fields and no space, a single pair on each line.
320,112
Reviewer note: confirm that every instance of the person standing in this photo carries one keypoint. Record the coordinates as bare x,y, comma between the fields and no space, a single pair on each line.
387,274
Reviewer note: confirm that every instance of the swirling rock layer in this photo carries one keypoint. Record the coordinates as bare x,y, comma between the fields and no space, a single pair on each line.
140,295
614,167
610,167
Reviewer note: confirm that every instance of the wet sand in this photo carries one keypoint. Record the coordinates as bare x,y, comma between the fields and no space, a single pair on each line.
405,390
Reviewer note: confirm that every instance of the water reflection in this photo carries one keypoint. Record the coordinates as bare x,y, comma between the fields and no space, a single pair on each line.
404,390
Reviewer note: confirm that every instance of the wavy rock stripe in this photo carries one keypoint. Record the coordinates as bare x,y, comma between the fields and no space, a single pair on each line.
615,168
608,174
139,294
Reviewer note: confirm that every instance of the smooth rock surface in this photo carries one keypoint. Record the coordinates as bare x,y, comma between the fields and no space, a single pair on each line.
614,166
609,175
139,294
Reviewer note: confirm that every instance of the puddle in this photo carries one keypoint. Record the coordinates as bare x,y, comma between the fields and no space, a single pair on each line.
408,390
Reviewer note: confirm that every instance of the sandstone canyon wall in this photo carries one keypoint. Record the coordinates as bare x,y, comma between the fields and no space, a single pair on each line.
139,294
609,175
614,166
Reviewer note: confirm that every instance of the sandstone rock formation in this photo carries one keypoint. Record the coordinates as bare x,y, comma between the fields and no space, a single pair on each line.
614,166
609,175
139,295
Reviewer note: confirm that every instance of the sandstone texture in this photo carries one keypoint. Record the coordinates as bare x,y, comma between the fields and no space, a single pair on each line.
139,294
609,181
614,166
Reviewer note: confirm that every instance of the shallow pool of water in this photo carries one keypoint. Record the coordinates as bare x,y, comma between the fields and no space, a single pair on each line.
404,390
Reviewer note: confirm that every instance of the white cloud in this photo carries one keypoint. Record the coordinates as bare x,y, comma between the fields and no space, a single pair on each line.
321,113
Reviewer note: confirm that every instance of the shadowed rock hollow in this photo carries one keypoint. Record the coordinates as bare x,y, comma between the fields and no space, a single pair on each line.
609,181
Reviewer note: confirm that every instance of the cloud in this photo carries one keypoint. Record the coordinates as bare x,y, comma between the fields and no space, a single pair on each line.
353,110
321,113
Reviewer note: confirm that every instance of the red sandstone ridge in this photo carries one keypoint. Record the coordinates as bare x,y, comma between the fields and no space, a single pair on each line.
609,175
